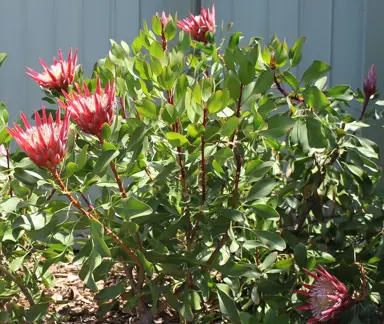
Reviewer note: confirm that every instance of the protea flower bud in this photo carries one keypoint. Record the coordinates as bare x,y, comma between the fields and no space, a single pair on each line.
59,75
164,19
91,111
369,86
45,143
199,25
328,297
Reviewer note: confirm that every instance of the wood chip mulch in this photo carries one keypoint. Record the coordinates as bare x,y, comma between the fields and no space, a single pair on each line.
75,303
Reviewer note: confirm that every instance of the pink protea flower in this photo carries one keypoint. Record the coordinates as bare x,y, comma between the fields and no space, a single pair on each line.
45,143
91,111
59,75
369,85
199,25
327,296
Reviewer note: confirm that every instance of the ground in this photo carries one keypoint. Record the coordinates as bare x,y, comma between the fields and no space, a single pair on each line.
77,303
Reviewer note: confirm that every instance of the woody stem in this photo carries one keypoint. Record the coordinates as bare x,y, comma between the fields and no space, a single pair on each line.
77,204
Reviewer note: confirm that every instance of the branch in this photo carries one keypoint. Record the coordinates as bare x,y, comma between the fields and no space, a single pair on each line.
77,204
8,167
19,284
282,90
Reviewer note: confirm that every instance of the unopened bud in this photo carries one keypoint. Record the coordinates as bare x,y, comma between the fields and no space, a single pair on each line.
369,86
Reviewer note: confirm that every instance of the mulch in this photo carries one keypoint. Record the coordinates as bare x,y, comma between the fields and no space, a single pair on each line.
75,303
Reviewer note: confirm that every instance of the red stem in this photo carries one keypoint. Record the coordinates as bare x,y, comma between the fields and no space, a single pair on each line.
122,103
176,127
232,139
122,191
51,194
77,204
203,189
364,107
163,39
8,167
239,161
282,90
86,200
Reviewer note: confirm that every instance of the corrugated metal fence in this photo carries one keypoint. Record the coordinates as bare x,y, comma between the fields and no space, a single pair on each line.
345,33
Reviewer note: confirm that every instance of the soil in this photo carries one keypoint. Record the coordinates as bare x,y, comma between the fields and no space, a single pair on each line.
75,303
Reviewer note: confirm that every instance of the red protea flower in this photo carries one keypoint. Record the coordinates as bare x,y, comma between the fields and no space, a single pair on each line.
199,25
369,85
327,296
91,111
45,143
59,75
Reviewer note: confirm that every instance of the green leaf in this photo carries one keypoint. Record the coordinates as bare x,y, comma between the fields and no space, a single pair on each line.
169,114
232,83
195,130
86,272
131,208
315,98
103,161
37,312
295,53
354,170
4,115
272,240
269,261
315,72
285,263
167,78
227,305
176,139
270,287
156,50
156,24
97,232
170,30
82,157
157,246
246,72
10,205
325,258
229,126
125,47
300,254
266,211
261,189
181,87
3,56
316,137
206,89
234,40
264,81
146,108
20,190
340,92
299,135
185,309
291,80
218,101
110,292
106,131
278,126
148,266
